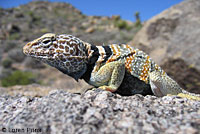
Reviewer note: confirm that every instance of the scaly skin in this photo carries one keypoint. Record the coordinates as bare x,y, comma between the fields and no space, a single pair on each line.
119,68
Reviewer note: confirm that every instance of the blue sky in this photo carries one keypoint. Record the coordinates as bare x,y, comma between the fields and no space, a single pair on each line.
124,8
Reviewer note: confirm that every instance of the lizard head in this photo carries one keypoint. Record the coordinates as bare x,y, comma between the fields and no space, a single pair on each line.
64,52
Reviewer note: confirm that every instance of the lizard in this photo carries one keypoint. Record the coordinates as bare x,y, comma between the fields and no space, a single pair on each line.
116,67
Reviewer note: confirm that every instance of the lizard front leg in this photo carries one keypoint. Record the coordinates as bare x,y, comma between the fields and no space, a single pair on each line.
108,77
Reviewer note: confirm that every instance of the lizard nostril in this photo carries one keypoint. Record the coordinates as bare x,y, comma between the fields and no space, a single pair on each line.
28,44
26,48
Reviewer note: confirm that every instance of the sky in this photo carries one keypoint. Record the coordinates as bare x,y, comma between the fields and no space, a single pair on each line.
125,8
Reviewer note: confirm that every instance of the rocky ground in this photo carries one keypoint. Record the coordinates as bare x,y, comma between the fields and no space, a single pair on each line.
170,38
98,111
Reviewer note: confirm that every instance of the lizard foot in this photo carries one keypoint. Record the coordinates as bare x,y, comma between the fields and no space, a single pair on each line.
108,88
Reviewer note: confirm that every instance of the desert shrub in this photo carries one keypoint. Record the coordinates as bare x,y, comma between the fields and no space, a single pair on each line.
7,63
44,30
14,36
116,17
34,17
18,78
14,32
30,13
8,45
121,24
138,20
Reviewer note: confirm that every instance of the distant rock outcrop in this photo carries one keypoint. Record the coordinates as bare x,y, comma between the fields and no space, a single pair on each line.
172,39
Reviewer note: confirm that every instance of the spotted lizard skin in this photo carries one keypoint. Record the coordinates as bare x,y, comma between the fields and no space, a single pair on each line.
117,67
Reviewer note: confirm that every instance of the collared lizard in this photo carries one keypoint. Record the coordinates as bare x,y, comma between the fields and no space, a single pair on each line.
116,67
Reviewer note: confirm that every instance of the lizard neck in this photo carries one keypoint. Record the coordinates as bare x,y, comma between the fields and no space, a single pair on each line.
93,54
97,55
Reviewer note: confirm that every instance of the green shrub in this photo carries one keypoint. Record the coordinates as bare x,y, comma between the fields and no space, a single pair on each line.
44,30
138,24
18,78
121,24
30,13
34,18
14,36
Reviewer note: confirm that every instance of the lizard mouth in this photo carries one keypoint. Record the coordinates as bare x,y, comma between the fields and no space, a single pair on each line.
26,48
36,54
29,51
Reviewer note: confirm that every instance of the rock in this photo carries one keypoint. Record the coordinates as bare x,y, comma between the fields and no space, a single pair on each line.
16,55
74,29
35,64
174,35
187,76
98,111
90,30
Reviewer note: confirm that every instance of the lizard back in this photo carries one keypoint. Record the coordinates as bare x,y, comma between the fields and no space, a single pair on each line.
138,63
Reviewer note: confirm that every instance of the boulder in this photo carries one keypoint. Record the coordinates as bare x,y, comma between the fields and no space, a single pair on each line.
171,36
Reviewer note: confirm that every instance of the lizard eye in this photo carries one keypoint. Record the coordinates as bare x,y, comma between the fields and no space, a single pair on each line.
53,38
46,41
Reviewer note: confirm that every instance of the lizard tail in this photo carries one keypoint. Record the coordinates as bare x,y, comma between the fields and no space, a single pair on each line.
186,94
161,84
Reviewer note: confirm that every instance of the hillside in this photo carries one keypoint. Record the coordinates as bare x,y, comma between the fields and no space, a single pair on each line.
27,22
